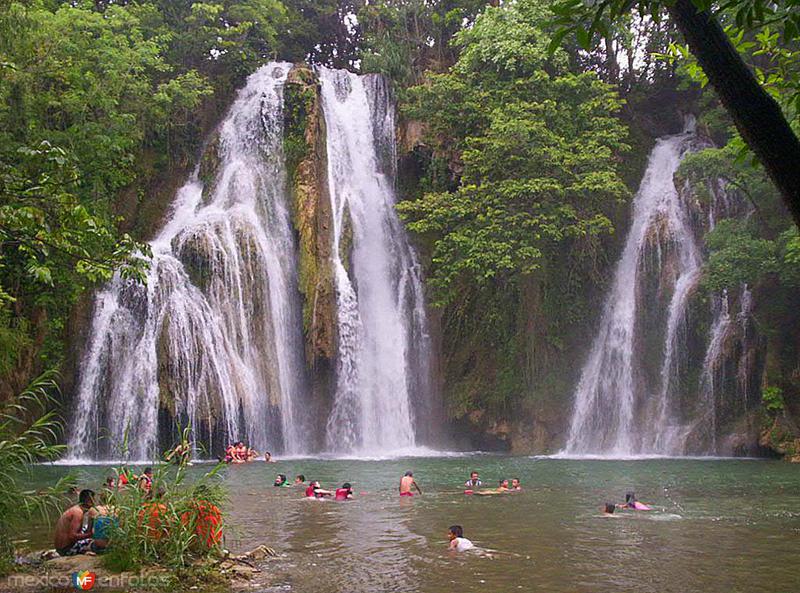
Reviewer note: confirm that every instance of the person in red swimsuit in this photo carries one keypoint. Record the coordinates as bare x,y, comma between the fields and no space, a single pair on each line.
314,490
407,482
345,492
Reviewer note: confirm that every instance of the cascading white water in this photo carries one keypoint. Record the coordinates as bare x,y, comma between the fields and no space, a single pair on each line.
214,338
611,415
707,418
383,345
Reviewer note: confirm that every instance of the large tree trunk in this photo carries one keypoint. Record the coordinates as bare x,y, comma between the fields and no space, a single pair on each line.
757,116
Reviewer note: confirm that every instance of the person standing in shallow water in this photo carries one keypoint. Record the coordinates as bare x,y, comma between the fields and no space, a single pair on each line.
407,482
473,482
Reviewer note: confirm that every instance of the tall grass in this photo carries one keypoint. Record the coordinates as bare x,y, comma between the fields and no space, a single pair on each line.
161,527
29,432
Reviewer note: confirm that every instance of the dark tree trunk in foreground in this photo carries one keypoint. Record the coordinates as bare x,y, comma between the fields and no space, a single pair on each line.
757,116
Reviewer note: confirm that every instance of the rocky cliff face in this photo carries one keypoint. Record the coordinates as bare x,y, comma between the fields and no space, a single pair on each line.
312,217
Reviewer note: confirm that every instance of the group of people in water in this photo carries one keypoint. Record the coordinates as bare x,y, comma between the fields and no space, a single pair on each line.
238,452
631,504
84,527
474,486
313,489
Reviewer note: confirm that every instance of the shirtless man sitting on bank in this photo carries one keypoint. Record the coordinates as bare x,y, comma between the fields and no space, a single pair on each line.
73,532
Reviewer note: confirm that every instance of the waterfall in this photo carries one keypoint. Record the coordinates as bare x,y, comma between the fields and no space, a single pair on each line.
612,413
706,422
214,339
382,374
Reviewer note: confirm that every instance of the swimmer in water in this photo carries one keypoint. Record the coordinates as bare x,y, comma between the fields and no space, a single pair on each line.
281,481
632,504
458,543
608,509
300,480
344,493
315,491
406,483
502,488
516,485
473,482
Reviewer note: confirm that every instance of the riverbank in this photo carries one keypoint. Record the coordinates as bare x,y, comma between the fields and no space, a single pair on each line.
44,570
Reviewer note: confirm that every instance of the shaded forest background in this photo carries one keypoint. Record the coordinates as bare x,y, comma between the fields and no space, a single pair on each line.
520,149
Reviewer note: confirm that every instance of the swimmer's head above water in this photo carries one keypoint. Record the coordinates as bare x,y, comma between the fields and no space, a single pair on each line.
608,508
455,531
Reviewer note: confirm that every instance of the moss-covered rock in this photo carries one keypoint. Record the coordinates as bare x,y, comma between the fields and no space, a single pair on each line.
208,168
306,158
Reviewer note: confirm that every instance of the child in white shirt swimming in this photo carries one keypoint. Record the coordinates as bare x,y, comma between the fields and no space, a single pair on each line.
458,542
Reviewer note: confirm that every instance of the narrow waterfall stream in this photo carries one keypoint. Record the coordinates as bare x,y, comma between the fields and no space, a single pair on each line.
612,415
384,348
214,340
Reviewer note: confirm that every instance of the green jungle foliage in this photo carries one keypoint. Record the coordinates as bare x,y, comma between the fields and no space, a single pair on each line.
27,435
99,100
521,188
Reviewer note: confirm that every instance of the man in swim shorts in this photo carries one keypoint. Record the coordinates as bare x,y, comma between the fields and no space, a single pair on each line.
73,532
407,483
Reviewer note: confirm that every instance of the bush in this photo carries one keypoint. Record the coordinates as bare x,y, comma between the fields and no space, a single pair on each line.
173,525
772,398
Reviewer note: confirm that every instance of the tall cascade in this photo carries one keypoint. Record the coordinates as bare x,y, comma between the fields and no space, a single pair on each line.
214,339
382,366
614,413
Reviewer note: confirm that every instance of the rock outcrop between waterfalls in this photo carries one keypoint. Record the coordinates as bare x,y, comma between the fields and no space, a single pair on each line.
311,213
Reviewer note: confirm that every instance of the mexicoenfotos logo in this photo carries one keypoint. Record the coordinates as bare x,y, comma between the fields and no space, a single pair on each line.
83,580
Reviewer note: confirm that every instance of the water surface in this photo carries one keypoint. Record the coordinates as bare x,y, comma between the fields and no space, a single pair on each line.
720,526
